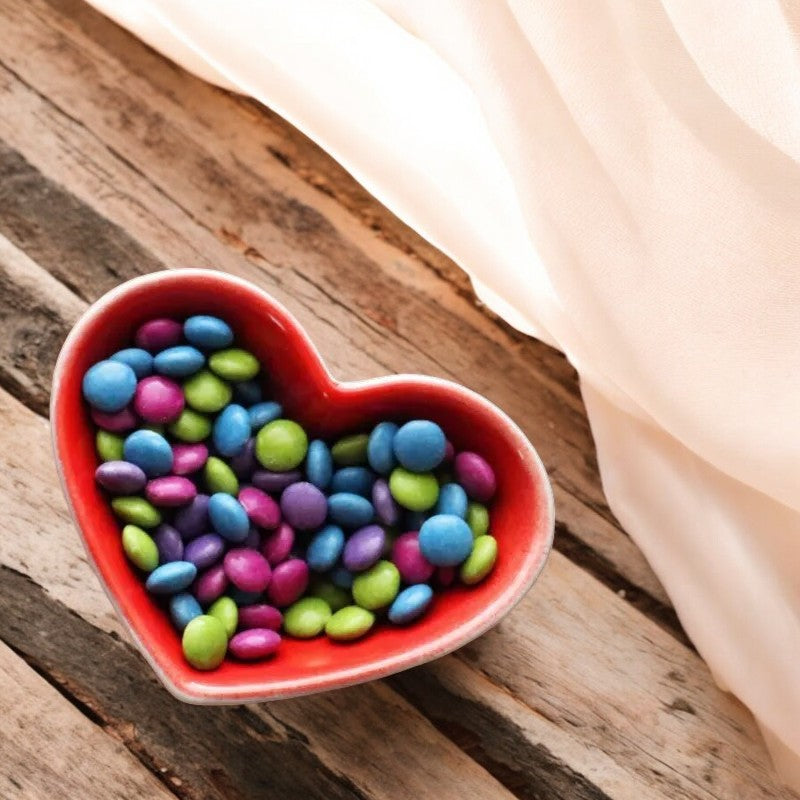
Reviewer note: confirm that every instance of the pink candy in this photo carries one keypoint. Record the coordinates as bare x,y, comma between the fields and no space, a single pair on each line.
407,557
158,399
210,585
118,422
260,507
188,458
475,475
158,334
260,616
254,644
171,490
278,544
247,569
289,581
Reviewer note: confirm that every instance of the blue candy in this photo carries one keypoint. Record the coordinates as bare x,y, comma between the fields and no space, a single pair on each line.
150,451
140,361
228,517
341,577
350,510
231,430
262,413
452,500
445,540
183,608
319,464
179,362
171,578
247,393
109,386
357,480
410,604
420,445
210,333
325,548
380,448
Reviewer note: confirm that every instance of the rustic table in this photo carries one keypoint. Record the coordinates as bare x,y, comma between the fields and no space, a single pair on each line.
114,162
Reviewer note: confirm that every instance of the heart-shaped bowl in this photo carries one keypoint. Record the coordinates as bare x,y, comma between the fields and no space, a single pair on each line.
522,518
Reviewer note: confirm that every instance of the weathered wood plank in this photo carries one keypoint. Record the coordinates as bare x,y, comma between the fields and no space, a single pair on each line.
49,749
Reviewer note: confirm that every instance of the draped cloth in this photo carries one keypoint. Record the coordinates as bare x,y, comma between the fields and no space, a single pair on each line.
619,178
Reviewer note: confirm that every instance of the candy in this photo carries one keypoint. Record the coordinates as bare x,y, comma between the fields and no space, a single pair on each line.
281,445
150,451
109,386
192,520
377,587
171,578
179,362
477,518
219,477
254,644
452,500
408,558
140,549
415,491
234,364
137,511
211,584
260,616
386,509
244,462
410,604
140,361
228,517
289,581
260,507
306,618
319,464
118,422
190,426
208,333
248,393
183,608
363,548
158,334
350,510
109,446
357,480
205,550
188,458
333,595
231,430
226,611
348,623
475,474
275,481
120,477
253,539
262,413
419,445
169,543
480,561
247,569
172,490
351,451
206,393
303,506
278,544
380,448
325,548
445,540
204,642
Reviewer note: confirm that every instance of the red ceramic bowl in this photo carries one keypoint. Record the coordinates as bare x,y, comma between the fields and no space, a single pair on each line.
521,514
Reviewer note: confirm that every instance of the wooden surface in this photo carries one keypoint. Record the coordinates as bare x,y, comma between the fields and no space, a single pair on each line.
114,162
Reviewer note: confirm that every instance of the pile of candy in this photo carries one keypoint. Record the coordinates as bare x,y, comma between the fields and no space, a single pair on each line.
245,528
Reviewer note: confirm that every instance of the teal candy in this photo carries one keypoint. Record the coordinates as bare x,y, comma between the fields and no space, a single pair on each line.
150,451
420,445
380,448
172,577
445,540
109,386
356,480
410,604
319,464
452,500
350,510
228,517
263,413
183,608
140,361
231,430
325,548
179,361
207,332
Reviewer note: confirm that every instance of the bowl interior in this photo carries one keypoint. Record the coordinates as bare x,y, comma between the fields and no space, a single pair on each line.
521,514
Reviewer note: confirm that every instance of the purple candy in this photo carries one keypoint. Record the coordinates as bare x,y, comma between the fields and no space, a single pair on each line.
475,475
172,490
260,507
253,540
275,481
244,462
158,334
193,520
118,422
289,581
169,544
205,550
254,644
408,558
158,399
210,585
278,544
363,548
386,509
120,477
260,616
188,458
304,506
247,569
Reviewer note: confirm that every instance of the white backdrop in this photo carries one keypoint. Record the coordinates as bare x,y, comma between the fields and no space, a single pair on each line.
619,178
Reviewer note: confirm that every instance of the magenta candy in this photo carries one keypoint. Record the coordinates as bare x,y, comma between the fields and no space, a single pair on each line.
260,616
158,334
193,520
205,550
158,399
118,422
407,557
169,544
247,569
386,509
244,462
275,481
172,490
252,540
254,644
278,544
120,477
188,458
289,581
210,585
364,548
304,506
449,451
260,507
476,476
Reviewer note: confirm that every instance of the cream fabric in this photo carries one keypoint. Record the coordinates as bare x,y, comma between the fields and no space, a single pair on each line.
620,178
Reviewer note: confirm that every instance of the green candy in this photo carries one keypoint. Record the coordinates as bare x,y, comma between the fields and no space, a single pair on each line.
191,426
204,642
306,618
205,392
417,491
220,477
227,612
377,587
348,623
109,446
281,445
351,451
333,595
477,518
234,364
480,561
140,548
137,511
